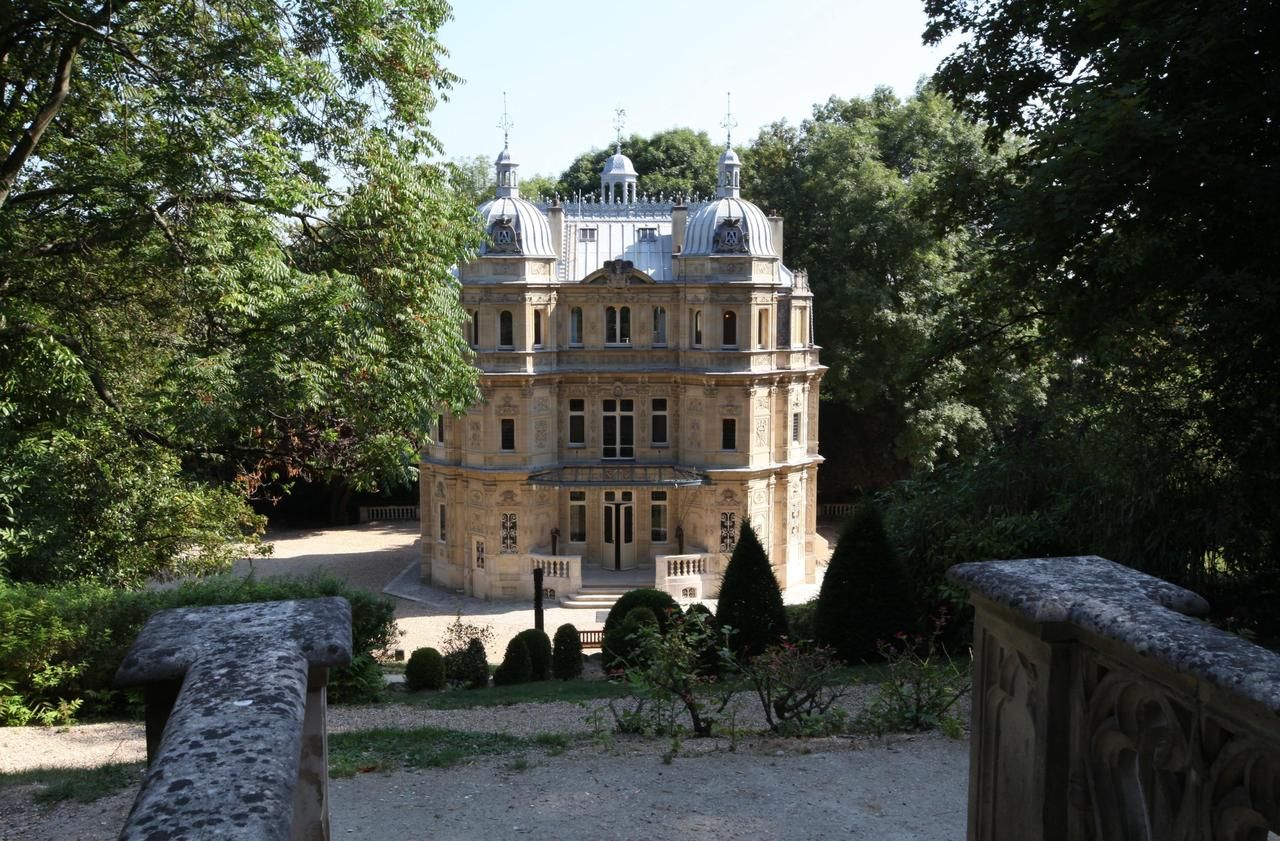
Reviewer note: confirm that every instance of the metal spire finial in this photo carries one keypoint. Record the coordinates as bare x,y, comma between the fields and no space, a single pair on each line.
505,123
619,120
729,122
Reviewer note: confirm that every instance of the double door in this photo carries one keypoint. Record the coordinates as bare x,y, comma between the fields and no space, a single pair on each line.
619,530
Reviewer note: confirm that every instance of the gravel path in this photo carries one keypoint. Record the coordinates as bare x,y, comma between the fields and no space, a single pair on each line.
897,789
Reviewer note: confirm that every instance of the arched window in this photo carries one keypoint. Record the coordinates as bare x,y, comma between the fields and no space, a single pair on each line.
617,325
506,333
537,328
575,326
762,329
696,328
659,325
730,338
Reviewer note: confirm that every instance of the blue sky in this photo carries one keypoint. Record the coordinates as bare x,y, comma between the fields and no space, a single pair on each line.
567,65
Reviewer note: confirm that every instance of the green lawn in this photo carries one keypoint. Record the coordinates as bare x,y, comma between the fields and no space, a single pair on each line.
541,692
425,747
83,785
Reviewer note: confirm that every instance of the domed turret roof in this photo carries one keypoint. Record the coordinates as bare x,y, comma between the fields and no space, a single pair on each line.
532,234
729,225
618,164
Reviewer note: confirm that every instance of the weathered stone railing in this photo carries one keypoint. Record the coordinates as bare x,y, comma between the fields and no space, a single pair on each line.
1103,710
371,513
236,739
834,510
688,576
561,574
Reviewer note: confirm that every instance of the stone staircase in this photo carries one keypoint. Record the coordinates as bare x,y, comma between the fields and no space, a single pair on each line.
595,596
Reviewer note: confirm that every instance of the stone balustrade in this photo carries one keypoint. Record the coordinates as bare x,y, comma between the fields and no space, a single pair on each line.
688,576
1102,709
236,739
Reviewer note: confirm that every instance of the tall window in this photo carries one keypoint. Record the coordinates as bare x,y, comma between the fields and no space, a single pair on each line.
510,539
440,531
658,516
575,326
475,328
728,531
577,422
618,419
577,516
506,333
762,329
728,434
795,427
440,428
658,422
659,325
617,325
695,327
508,427
537,328
730,338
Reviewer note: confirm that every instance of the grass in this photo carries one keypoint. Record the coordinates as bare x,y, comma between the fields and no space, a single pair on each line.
83,785
540,692
425,747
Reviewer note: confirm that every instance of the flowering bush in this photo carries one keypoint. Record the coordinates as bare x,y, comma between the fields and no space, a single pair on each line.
796,686
924,683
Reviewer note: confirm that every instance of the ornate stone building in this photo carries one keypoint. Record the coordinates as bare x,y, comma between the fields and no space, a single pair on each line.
649,381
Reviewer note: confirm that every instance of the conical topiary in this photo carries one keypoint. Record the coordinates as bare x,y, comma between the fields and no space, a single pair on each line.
750,600
865,596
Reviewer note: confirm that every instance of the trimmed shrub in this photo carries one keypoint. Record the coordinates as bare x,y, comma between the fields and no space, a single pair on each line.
539,645
517,666
664,608
865,596
710,663
566,657
425,670
800,620
750,600
61,645
622,648
468,667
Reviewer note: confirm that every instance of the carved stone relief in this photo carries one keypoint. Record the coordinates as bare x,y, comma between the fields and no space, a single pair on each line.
540,433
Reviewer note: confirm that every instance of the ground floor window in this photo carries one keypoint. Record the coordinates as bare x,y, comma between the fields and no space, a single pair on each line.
577,516
510,541
658,516
442,521
728,531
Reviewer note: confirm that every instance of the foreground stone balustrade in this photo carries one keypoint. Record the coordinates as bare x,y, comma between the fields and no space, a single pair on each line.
236,741
1103,710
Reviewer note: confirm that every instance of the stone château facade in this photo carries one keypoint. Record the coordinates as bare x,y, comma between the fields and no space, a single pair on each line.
649,381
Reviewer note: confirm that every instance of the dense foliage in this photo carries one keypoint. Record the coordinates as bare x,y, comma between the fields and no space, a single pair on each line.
516,666
566,656
866,597
468,666
425,670
750,602
677,163
223,265
539,646
60,645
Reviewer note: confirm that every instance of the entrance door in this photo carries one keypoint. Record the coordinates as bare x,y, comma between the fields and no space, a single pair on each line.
619,530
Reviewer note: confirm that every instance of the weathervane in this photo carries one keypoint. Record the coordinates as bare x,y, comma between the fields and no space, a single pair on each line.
505,123
619,120
729,121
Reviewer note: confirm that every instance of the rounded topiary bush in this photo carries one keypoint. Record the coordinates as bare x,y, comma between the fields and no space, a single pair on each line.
662,605
566,657
468,667
425,670
539,645
709,660
621,648
517,666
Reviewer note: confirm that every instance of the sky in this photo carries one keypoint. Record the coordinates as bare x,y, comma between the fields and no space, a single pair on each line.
568,65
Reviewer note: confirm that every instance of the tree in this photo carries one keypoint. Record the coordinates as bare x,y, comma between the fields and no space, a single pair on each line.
675,163
879,197
865,596
224,265
1140,222
750,601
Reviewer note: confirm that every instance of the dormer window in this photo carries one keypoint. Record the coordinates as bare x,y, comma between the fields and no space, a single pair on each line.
586,235
648,235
